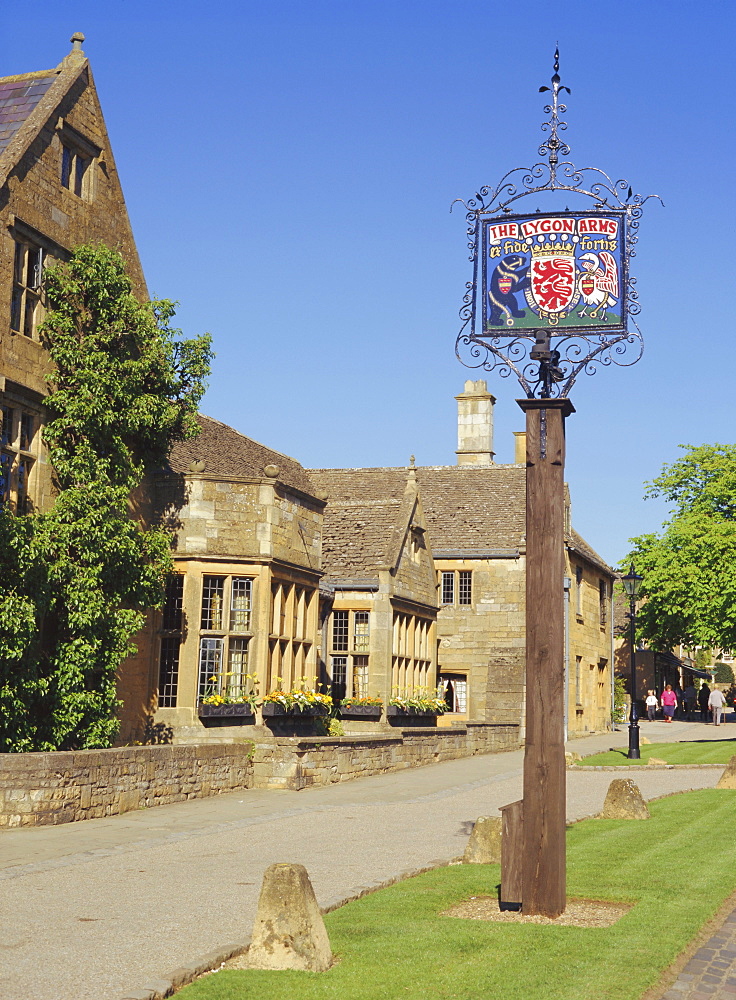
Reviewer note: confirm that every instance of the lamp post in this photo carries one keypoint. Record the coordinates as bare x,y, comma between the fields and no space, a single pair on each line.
632,584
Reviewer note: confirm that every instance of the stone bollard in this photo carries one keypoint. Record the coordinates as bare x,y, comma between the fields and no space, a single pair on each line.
728,778
624,801
289,932
484,845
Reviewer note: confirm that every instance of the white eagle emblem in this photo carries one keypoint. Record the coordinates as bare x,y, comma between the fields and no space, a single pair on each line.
598,283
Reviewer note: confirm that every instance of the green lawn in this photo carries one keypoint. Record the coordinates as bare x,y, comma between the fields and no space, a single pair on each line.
677,867
698,752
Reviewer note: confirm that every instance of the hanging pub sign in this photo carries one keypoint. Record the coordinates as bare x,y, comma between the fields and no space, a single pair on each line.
565,270
551,295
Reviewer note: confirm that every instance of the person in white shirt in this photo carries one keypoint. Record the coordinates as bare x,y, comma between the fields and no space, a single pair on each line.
652,705
716,703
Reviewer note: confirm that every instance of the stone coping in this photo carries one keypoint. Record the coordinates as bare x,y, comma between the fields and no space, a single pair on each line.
396,735
638,767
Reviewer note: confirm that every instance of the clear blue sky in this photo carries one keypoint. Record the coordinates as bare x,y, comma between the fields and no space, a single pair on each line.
288,169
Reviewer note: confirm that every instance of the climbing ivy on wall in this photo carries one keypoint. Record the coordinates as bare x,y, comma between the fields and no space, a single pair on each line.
76,579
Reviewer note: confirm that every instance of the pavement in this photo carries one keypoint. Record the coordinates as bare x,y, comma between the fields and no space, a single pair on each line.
711,972
93,910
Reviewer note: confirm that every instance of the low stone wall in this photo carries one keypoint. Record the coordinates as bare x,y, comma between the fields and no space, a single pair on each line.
301,762
38,789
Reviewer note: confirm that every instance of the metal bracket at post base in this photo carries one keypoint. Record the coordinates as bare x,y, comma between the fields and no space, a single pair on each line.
512,840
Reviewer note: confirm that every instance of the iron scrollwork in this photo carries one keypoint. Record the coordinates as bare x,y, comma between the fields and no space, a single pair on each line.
547,361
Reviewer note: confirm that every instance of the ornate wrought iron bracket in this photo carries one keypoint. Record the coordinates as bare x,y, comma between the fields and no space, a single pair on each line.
547,361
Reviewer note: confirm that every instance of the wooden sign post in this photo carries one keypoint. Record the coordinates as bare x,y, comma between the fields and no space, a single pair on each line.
543,861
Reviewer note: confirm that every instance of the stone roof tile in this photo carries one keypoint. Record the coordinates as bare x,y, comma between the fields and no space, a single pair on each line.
579,543
19,96
467,509
230,454
362,513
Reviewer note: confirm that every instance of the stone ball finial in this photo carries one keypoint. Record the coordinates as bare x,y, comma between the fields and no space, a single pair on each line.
412,461
272,471
76,40
197,466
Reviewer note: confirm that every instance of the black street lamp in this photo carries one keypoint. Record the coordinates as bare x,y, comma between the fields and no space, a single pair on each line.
632,584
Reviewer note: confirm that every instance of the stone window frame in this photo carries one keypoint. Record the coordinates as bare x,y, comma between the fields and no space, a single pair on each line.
224,638
26,307
456,587
579,593
20,442
172,628
78,162
31,249
465,587
293,606
350,630
603,603
411,656
460,686
350,642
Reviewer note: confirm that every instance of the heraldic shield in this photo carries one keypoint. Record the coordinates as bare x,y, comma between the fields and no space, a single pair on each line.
552,282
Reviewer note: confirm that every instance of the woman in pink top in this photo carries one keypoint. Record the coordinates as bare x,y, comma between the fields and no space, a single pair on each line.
669,703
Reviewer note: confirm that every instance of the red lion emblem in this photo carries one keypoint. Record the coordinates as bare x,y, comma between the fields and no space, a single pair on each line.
553,282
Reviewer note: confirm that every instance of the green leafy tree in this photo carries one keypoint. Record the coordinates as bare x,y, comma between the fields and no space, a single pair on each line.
723,673
78,578
689,569
703,658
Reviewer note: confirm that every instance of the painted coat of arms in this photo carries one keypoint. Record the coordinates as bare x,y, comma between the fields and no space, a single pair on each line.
563,270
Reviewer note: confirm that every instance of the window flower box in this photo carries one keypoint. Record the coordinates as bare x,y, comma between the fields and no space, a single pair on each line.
236,710
273,708
399,710
360,711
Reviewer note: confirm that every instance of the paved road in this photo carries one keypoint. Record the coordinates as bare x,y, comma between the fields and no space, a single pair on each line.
91,909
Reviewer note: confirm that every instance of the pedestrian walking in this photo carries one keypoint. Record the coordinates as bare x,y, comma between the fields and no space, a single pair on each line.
690,696
716,702
652,705
680,706
669,703
703,696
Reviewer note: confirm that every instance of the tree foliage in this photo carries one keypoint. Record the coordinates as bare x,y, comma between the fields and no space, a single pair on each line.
689,569
77,578
723,673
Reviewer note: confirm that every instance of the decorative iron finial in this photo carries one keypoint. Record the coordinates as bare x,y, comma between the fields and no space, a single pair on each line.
554,146
76,40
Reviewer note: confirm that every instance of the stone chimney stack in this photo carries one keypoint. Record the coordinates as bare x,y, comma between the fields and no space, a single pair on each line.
520,447
475,424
